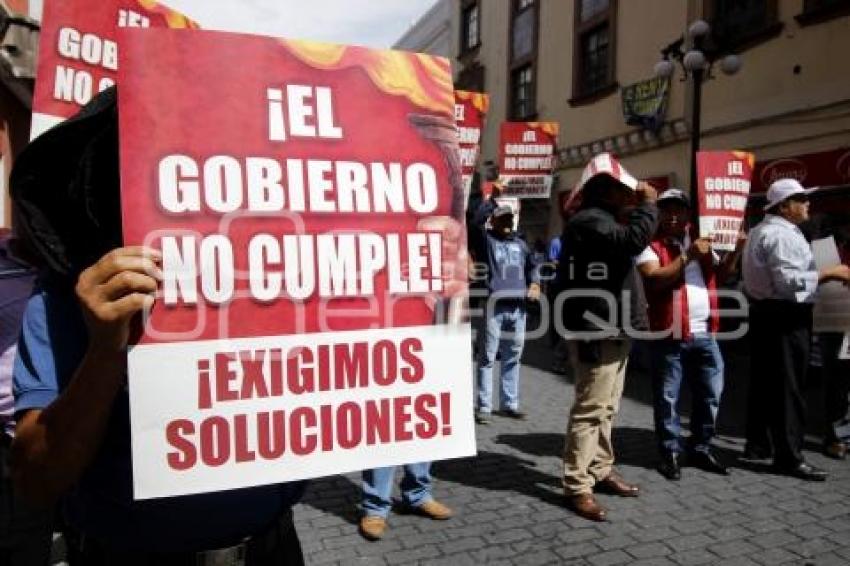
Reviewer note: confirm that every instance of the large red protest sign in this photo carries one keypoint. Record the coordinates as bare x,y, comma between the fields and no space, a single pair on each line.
78,51
308,207
470,110
527,158
723,187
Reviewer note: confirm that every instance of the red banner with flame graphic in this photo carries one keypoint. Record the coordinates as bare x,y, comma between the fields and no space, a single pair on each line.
78,51
309,210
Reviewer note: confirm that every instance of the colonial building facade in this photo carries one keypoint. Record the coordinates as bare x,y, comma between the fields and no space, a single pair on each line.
574,61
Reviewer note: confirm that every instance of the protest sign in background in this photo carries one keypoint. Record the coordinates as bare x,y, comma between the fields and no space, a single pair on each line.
723,186
527,157
470,110
307,207
78,51
832,302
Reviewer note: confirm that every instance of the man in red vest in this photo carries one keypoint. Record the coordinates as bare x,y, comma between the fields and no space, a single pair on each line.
680,276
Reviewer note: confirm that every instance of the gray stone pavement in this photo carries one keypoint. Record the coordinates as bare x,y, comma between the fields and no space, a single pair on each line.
510,510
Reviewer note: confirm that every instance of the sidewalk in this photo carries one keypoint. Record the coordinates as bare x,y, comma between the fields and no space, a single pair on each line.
510,510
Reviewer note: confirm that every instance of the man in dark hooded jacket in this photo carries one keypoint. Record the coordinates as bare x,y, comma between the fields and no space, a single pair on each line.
601,291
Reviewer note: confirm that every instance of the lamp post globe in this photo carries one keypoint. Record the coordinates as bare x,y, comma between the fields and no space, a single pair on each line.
664,69
730,64
699,28
694,60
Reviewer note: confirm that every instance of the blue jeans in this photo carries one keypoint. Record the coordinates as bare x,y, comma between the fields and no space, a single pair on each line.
699,360
378,488
503,332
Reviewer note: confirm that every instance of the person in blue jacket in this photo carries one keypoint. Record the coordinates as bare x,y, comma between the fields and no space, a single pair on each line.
512,277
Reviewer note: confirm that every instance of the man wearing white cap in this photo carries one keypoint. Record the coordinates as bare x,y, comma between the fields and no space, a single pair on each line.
781,279
512,277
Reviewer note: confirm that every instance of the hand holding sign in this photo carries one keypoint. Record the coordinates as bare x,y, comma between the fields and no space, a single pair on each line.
840,273
113,290
742,241
646,192
700,248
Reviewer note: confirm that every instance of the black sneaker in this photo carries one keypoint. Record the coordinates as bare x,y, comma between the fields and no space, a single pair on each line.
755,453
802,471
669,466
482,418
707,461
513,414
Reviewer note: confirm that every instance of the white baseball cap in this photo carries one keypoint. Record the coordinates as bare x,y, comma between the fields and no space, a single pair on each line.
503,210
783,189
675,195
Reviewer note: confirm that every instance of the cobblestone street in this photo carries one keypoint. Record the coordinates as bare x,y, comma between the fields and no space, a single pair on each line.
509,508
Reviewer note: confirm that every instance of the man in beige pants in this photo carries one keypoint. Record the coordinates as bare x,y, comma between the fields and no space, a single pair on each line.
600,291
588,451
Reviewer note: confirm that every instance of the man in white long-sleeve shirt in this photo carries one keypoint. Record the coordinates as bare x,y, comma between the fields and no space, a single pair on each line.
781,279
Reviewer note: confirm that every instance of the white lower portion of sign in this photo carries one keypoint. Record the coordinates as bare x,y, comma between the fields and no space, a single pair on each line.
527,186
42,122
722,230
225,414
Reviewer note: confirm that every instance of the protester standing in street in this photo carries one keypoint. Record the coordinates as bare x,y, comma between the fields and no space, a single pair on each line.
72,439
416,486
512,277
681,276
781,279
597,265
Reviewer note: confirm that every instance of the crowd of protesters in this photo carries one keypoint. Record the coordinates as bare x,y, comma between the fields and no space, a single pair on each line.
629,249
70,420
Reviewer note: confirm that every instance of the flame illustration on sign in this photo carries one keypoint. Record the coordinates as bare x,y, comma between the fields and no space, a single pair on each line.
175,20
479,100
550,128
750,158
425,80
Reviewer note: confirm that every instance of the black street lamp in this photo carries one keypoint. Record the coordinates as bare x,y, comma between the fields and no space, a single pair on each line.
697,64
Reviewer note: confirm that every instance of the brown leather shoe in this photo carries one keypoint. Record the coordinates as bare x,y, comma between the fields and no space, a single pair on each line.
434,510
586,506
616,485
372,527
836,450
